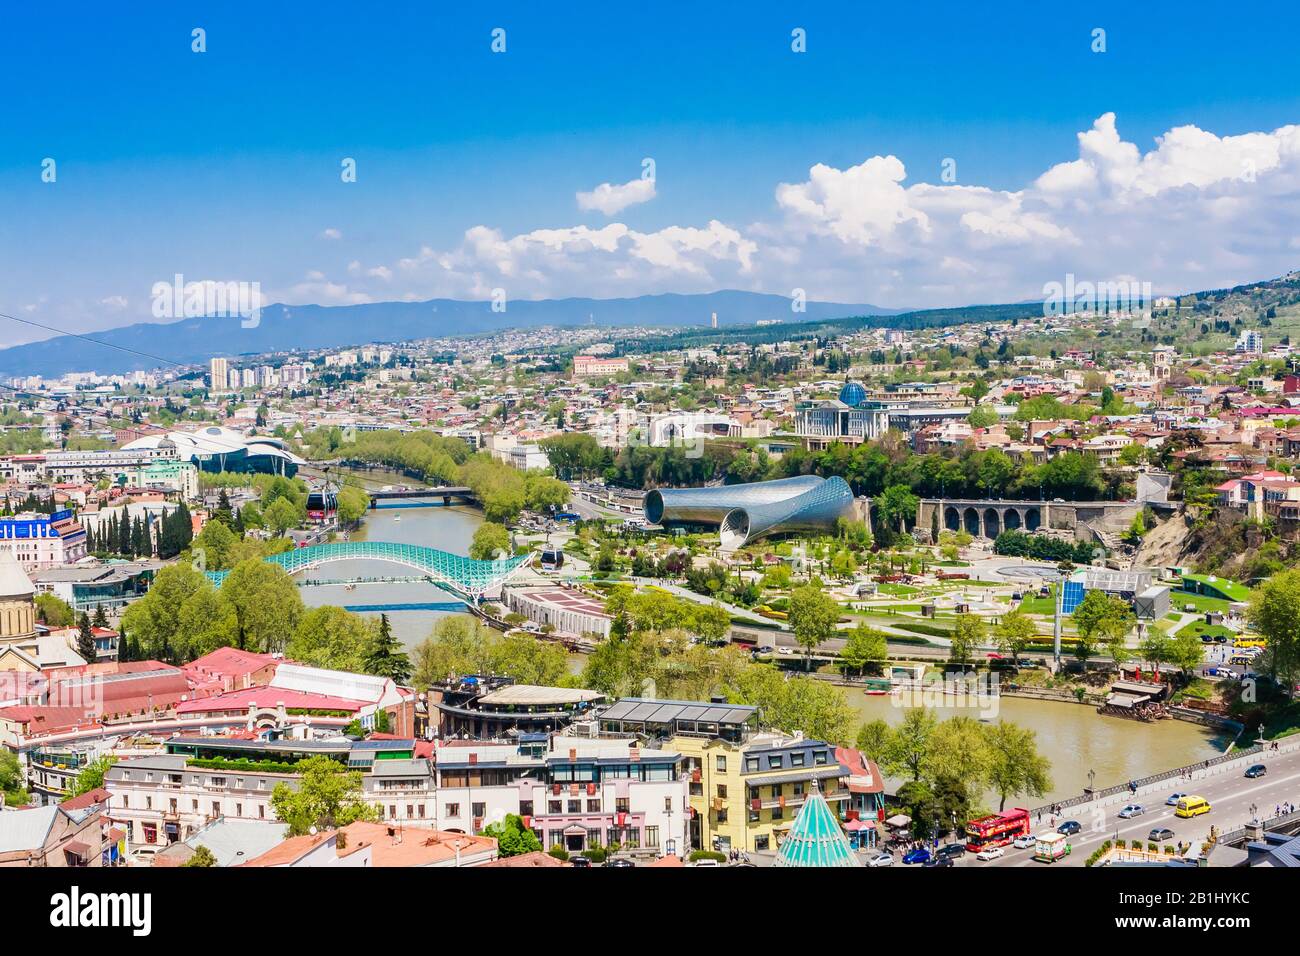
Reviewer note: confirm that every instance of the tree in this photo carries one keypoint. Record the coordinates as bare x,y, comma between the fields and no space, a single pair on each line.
1015,765
813,615
1013,633
459,645
1156,648
386,657
101,617
281,515
54,611
909,745
267,604
154,621
1275,613
1186,651
352,504
710,622
512,837
967,635
874,739
202,856
490,541
328,796
92,775
86,639
863,646
895,506
1104,618
214,545
958,751
12,781
332,638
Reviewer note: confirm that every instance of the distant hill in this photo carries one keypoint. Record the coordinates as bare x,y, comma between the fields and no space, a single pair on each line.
191,341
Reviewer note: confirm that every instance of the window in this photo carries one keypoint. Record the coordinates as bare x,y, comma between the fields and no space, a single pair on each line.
722,815
651,838
554,806
593,806
150,833
410,810
148,803
798,759
668,804
622,805
722,792
216,808
820,757
722,764
777,813
774,762
452,810
798,789
261,811
525,808
751,765
421,808
575,806
194,805
480,809
762,842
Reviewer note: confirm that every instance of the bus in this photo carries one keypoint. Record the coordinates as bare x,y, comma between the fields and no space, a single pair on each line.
1051,847
998,829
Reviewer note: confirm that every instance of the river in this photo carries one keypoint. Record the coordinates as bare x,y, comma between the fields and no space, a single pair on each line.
448,528
1072,736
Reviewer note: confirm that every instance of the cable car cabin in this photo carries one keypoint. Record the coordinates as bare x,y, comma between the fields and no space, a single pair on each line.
552,559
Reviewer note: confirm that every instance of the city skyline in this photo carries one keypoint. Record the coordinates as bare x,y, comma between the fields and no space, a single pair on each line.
859,170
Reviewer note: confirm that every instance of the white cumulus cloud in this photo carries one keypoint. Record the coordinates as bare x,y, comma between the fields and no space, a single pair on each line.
611,199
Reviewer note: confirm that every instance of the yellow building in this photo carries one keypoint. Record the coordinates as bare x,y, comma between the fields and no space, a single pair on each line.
746,784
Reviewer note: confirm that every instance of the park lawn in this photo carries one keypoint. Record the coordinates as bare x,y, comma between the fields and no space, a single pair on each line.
1198,601
897,590
1038,605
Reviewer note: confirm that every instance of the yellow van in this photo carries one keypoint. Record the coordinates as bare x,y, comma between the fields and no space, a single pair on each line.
1191,806
1244,642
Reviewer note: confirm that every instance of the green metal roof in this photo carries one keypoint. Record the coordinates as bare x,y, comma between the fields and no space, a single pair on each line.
815,839
452,571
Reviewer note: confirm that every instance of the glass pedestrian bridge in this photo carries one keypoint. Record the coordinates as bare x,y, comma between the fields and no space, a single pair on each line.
457,573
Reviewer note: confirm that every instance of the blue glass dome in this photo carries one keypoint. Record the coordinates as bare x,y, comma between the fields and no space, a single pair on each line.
853,394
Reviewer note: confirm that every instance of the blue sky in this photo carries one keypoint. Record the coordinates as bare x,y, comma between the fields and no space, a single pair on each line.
225,165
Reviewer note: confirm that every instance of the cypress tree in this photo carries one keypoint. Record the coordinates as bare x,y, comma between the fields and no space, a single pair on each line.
85,640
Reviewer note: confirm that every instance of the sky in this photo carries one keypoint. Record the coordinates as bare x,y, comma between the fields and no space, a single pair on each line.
911,155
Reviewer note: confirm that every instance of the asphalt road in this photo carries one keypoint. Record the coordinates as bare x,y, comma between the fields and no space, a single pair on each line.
1231,795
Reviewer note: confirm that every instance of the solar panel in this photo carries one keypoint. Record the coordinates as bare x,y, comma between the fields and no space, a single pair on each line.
1072,596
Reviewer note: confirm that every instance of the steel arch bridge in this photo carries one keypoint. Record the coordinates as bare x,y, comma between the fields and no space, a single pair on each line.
455,572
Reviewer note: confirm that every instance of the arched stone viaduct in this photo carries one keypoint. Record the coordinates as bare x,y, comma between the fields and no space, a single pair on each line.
987,518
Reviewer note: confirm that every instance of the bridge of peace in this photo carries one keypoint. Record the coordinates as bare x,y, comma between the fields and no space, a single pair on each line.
987,518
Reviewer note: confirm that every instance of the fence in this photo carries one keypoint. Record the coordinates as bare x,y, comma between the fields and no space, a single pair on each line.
1205,768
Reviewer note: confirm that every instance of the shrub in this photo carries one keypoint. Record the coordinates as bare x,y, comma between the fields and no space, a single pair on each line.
559,852
697,855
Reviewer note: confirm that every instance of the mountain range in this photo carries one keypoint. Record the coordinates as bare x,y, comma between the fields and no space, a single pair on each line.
149,345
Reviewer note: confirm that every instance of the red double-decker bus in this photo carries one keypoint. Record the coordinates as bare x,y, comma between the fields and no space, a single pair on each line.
998,829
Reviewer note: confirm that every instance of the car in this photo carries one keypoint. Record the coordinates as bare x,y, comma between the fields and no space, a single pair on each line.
706,863
1025,842
881,859
940,861
1160,834
916,856
1131,811
1069,827
990,853
619,862
1256,770
1174,798
579,861
952,850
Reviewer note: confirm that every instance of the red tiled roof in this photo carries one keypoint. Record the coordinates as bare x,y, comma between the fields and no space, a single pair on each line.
238,700
88,799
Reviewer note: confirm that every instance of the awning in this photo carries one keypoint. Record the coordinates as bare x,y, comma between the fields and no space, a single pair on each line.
575,830
898,820
78,849
854,825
